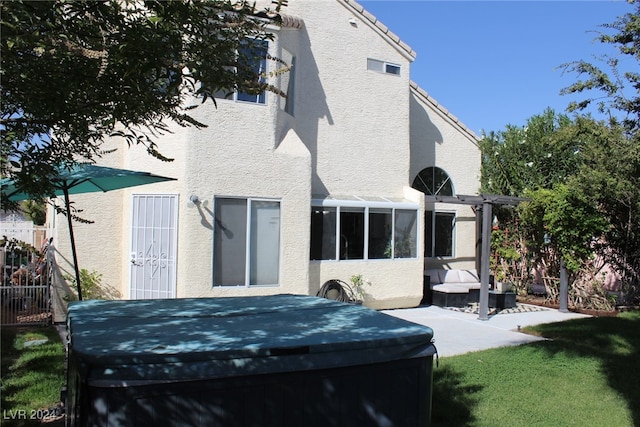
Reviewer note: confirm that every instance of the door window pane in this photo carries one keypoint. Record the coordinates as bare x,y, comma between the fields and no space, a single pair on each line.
265,243
230,240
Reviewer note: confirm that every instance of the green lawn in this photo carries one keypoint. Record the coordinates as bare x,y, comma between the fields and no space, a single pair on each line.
586,374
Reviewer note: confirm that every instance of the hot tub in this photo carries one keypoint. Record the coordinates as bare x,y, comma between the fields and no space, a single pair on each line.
283,360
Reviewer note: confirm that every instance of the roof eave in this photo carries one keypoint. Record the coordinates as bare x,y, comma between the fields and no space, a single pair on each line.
382,29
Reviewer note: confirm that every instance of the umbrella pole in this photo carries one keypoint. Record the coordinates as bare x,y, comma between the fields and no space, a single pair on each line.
73,242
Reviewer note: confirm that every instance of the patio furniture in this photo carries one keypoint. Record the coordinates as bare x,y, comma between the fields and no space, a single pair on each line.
453,288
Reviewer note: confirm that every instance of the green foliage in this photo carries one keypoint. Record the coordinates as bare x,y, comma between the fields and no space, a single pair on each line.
569,218
616,90
535,161
14,245
92,286
506,251
35,210
610,176
526,158
582,177
357,284
127,68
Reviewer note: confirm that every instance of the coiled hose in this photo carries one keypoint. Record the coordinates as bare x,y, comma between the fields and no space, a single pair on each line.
336,290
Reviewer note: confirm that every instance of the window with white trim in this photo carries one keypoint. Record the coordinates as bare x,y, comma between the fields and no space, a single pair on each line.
383,67
256,57
364,229
246,239
439,229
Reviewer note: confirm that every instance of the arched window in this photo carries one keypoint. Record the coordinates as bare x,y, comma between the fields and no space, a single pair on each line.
433,181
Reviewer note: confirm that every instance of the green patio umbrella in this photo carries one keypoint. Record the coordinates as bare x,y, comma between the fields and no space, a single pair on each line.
84,178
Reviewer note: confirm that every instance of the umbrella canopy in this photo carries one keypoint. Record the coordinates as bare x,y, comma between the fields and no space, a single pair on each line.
87,178
84,178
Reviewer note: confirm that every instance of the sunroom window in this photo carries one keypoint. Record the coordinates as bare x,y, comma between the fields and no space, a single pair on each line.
360,228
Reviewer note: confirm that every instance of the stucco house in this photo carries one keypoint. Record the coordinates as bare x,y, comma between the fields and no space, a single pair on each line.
280,195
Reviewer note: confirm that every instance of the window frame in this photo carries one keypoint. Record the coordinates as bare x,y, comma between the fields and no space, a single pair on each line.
431,228
383,67
233,95
248,237
368,207
423,182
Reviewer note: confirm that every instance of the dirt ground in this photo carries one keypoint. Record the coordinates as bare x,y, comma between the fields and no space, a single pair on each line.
541,301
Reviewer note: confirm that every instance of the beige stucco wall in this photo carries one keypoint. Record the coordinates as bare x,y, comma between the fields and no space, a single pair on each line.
352,133
354,121
438,140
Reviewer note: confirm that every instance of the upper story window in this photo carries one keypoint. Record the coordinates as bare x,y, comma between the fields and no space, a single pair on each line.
383,67
290,84
433,181
254,57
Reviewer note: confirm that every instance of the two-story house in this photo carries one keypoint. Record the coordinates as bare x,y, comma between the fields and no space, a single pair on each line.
280,195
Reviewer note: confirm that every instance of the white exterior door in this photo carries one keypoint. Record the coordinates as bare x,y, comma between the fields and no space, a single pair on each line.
153,246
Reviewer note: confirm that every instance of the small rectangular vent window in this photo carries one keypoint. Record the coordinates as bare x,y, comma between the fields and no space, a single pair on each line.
392,69
383,67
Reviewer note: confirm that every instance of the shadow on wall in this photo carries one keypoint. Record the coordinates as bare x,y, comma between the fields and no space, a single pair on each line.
424,137
205,215
61,292
310,103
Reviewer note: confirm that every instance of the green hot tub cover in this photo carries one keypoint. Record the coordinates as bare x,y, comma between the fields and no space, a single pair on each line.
124,343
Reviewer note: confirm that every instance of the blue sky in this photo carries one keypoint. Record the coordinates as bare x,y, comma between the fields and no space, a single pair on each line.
493,63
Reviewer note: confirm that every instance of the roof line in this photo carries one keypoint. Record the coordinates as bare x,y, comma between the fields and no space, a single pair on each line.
388,34
443,111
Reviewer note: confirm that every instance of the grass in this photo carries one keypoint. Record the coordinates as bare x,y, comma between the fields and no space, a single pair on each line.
32,375
586,374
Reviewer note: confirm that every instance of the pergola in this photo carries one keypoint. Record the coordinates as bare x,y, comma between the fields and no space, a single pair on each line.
483,205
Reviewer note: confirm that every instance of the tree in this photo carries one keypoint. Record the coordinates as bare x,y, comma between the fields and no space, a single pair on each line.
538,161
610,176
529,157
74,73
525,162
620,90
569,220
